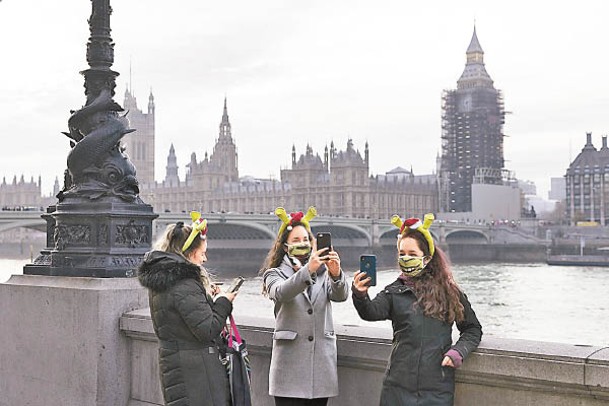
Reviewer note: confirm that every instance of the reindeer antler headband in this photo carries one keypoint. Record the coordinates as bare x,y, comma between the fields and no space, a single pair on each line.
412,224
199,226
289,220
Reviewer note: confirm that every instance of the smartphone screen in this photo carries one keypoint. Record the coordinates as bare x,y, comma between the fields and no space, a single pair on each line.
324,240
367,263
236,284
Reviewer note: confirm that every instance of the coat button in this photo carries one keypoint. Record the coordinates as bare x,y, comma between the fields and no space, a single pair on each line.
310,338
308,283
310,311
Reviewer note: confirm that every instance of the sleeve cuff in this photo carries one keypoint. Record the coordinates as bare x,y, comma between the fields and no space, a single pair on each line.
357,294
223,306
455,356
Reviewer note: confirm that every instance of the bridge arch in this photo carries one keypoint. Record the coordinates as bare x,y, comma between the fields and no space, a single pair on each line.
466,236
35,224
344,234
389,236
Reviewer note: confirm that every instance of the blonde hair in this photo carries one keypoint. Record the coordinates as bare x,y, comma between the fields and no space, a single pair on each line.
172,241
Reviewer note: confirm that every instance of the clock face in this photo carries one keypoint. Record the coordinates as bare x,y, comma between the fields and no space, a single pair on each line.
466,103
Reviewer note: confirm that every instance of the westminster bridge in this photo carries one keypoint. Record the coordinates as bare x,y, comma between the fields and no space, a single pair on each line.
253,235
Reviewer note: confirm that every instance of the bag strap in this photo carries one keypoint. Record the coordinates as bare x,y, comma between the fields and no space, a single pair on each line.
234,330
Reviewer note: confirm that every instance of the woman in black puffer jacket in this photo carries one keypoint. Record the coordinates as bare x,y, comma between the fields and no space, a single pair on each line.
186,319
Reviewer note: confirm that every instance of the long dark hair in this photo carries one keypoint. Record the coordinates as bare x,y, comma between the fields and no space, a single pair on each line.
277,252
438,295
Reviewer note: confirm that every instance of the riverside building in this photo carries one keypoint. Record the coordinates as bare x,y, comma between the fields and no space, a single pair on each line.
338,184
587,184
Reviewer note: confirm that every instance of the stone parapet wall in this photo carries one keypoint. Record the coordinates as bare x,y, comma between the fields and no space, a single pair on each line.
501,372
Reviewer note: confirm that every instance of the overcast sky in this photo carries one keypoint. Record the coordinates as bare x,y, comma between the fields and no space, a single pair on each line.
298,72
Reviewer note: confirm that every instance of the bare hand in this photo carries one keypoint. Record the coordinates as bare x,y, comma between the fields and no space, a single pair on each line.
333,264
215,289
316,259
448,362
360,282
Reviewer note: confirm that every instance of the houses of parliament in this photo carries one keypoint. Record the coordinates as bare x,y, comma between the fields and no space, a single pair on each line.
339,184
337,180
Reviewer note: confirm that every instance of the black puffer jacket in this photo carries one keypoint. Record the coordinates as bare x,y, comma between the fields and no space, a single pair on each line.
415,375
186,321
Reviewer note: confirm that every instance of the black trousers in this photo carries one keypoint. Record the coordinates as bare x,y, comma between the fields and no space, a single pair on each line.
279,401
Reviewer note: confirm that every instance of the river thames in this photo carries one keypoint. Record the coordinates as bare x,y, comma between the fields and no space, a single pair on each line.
527,301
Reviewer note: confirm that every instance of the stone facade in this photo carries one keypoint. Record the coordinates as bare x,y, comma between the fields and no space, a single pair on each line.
22,195
587,184
140,144
340,184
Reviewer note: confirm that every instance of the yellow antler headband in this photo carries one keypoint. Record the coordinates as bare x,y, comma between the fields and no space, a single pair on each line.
415,224
289,220
199,226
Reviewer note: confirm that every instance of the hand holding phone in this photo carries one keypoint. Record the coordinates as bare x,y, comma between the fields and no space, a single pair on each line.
236,284
367,264
324,240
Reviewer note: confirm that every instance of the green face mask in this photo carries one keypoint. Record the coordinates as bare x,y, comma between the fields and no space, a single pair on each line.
412,266
300,249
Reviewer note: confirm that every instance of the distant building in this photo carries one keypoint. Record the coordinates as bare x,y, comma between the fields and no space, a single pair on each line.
558,189
340,184
140,144
492,202
23,195
472,133
587,184
528,187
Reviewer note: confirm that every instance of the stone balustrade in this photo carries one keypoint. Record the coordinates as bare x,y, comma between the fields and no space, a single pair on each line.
500,372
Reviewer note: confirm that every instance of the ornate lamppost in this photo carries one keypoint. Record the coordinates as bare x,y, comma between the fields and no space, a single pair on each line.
100,227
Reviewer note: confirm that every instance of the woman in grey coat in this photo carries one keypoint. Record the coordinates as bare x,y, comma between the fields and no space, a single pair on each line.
186,319
302,282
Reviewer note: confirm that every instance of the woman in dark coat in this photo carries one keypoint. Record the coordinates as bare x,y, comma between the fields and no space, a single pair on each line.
186,319
422,304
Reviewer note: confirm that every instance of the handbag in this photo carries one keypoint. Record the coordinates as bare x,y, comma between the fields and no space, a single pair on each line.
237,363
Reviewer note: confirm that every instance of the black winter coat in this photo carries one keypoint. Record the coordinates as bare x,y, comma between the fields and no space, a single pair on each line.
415,375
187,323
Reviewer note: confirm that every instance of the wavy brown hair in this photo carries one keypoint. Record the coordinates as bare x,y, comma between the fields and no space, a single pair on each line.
438,295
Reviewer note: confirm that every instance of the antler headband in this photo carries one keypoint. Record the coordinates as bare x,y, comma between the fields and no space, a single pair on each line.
288,221
199,226
412,224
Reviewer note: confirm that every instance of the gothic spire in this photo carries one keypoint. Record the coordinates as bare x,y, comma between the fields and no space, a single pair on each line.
474,74
225,128
474,44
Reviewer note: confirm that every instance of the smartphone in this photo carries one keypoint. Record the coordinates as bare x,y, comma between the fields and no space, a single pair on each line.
367,263
324,240
236,284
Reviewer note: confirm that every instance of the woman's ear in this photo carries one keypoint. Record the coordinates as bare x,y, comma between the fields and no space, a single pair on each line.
426,260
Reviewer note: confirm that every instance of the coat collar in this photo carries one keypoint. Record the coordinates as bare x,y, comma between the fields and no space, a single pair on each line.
286,270
161,270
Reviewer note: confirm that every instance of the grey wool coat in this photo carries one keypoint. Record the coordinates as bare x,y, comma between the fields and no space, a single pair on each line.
303,362
187,322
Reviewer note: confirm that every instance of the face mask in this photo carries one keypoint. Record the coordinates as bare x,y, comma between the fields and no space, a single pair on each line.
301,249
412,266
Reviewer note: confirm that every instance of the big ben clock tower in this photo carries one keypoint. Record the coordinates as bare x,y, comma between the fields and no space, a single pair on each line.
472,133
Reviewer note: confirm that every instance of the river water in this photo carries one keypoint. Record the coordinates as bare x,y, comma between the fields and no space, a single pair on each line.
527,301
